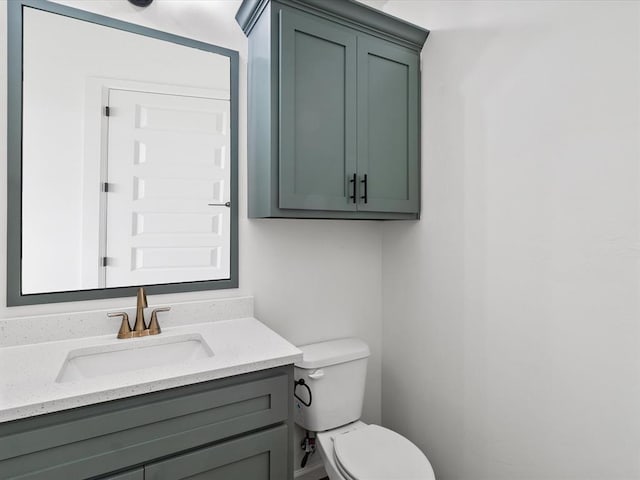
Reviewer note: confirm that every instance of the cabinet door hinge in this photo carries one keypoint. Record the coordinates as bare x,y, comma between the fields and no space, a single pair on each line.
106,187
107,111
104,261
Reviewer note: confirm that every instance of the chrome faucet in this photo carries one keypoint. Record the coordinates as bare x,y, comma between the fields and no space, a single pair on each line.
140,329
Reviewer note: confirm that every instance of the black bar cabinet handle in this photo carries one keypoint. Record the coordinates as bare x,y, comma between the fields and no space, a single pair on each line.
365,196
353,180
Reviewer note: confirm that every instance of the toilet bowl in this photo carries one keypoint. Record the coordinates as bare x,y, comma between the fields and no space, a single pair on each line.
329,391
369,452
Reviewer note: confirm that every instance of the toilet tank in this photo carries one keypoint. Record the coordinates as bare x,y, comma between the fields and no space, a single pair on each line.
335,373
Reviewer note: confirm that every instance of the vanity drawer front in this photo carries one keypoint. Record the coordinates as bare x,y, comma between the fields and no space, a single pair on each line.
101,438
258,456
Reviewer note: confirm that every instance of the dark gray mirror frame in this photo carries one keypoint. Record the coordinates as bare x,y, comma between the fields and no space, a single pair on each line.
14,159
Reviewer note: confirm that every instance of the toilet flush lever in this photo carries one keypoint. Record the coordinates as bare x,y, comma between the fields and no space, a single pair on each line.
317,374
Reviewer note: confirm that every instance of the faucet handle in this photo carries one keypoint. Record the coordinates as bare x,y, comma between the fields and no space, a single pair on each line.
154,326
125,328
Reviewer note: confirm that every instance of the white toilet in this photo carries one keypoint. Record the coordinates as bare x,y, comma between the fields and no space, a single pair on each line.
334,373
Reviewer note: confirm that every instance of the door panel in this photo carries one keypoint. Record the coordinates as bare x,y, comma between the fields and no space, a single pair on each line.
388,123
318,113
149,190
259,456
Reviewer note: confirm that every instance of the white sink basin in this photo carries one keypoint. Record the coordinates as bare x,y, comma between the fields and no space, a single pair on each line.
132,354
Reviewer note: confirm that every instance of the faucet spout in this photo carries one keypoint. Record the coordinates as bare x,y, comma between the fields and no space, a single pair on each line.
140,329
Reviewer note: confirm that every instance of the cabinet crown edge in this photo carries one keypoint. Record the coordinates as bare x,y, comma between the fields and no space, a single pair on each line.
349,11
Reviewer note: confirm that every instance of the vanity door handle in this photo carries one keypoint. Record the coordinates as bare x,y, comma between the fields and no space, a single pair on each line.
365,197
226,204
353,180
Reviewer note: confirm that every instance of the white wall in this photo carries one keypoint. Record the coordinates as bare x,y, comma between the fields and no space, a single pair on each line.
311,280
511,318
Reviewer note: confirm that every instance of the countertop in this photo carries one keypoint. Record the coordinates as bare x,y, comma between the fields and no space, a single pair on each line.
28,373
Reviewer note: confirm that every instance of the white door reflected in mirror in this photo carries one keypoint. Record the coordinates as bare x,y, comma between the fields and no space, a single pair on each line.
163,153
167,163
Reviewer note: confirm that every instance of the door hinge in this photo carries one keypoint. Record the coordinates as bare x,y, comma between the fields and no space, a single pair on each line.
106,187
104,261
107,111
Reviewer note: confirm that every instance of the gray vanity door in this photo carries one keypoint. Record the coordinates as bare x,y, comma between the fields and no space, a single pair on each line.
259,456
317,113
388,127
137,474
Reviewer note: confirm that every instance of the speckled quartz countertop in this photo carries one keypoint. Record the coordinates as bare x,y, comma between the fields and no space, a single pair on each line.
29,372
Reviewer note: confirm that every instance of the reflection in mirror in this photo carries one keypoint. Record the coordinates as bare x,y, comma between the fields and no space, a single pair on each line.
128,159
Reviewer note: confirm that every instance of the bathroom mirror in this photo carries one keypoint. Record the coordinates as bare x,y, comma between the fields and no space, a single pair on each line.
122,158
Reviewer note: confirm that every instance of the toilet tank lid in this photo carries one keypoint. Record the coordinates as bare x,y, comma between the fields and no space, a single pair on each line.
333,352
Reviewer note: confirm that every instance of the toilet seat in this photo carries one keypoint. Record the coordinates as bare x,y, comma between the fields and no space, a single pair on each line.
374,452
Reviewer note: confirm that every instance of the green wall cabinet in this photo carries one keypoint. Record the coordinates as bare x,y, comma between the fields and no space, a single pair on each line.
334,110
237,427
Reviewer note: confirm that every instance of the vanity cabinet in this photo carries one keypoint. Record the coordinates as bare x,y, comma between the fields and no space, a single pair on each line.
334,110
237,427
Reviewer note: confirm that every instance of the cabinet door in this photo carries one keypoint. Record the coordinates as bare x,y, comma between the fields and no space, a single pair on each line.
259,456
317,137
388,127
